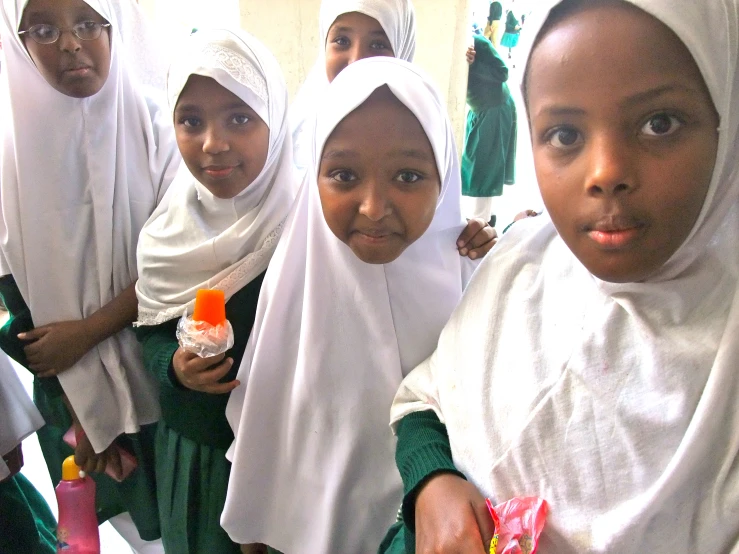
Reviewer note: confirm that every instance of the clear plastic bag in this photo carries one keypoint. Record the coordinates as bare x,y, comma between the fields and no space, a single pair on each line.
204,339
518,524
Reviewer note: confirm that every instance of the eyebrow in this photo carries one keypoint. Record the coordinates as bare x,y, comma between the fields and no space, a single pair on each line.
336,154
342,154
647,95
227,108
377,33
631,101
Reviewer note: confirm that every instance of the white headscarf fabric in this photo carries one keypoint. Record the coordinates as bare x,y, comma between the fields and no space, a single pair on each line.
195,240
79,179
398,20
19,416
614,402
313,466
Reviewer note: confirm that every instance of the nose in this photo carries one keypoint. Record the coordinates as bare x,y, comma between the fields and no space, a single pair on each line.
611,170
215,141
68,42
375,204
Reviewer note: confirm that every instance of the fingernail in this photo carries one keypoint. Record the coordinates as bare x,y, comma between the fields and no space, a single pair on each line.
463,251
460,243
473,255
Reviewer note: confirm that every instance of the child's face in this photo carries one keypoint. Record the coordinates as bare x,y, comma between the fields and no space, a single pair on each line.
223,142
378,179
353,37
77,68
624,135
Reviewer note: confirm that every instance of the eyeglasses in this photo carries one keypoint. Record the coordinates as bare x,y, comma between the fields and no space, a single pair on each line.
48,34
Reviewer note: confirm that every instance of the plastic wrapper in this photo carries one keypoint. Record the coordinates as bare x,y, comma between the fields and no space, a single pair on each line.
518,524
204,339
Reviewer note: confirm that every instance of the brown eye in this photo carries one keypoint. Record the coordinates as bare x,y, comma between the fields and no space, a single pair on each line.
661,125
563,137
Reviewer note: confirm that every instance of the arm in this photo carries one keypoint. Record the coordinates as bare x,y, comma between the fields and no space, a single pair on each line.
442,512
53,348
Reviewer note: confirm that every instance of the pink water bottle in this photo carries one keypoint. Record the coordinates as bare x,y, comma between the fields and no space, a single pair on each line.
77,532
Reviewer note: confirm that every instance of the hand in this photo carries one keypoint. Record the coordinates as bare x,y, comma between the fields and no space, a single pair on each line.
89,461
524,214
451,517
203,374
477,239
56,347
470,55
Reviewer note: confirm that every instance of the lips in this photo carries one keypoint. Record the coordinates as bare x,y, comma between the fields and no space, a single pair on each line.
77,68
615,232
219,171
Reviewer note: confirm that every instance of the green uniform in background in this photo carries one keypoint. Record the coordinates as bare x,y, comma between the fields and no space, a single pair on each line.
488,160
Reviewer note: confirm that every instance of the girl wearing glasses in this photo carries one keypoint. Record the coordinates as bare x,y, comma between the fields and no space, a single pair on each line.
84,159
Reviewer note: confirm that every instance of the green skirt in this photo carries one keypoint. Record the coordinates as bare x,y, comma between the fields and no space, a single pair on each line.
26,522
136,494
192,480
489,156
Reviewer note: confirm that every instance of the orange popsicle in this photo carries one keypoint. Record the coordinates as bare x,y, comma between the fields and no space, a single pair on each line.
210,306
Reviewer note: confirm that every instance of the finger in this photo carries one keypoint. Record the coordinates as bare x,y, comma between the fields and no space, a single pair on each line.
220,388
198,365
100,464
473,227
45,374
212,376
34,334
114,461
484,523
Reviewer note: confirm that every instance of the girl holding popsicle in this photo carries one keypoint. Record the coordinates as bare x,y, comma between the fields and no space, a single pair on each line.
216,230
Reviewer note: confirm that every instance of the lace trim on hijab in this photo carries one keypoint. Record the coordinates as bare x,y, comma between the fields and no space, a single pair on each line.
244,272
238,67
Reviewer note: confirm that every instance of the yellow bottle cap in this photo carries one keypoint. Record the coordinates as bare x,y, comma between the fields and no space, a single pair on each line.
70,470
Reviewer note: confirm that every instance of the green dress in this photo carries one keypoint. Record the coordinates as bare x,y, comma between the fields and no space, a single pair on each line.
137,493
489,157
26,523
193,436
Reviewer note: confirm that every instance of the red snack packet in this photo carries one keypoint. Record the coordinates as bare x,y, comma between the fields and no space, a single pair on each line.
518,524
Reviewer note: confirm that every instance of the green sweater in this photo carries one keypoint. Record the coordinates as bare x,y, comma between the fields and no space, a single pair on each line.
422,451
199,416
20,321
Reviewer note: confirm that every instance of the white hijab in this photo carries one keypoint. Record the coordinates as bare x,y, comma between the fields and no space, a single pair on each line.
398,20
79,179
617,403
195,240
19,416
313,467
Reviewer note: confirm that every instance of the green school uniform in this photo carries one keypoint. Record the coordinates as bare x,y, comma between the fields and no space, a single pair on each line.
193,436
422,451
137,493
488,160
26,522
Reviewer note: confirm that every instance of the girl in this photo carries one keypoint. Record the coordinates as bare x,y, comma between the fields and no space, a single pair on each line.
493,29
85,158
512,32
489,157
359,287
351,30
218,229
594,364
